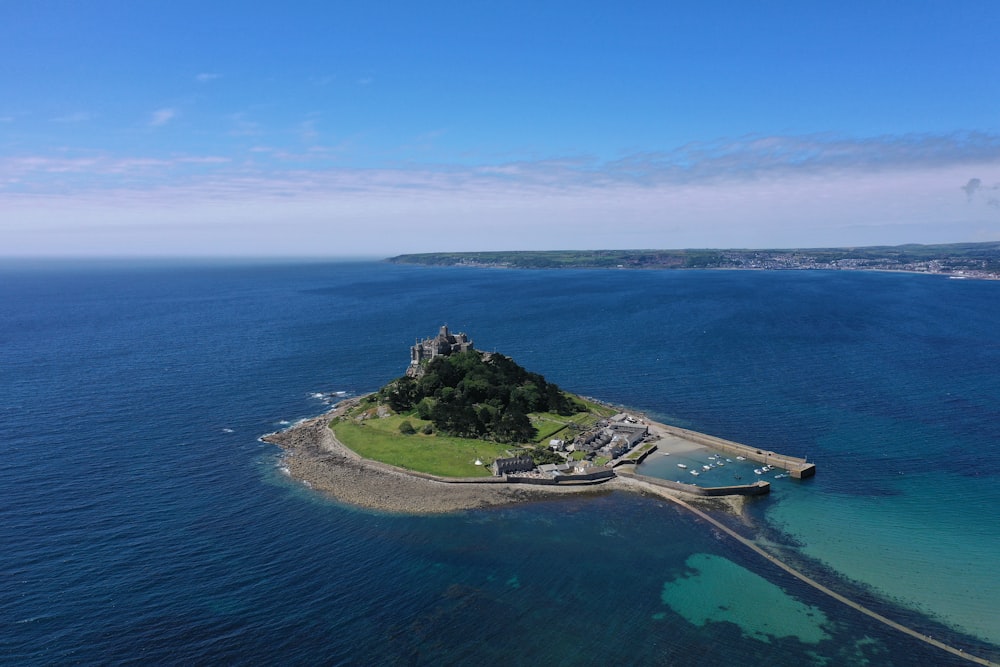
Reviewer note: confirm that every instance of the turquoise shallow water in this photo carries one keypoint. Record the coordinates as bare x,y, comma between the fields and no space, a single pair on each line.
759,608
142,520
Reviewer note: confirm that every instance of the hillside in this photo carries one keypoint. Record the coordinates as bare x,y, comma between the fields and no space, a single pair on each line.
463,407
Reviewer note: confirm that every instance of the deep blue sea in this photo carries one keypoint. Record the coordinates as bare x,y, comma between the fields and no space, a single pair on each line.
143,522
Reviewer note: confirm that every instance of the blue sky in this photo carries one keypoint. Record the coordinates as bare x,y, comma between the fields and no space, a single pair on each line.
331,129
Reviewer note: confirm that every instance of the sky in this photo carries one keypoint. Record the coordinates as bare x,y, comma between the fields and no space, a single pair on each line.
332,129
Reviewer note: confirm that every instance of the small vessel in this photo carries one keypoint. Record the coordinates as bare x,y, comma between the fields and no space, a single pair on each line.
695,473
758,471
741,458
729,460
720,464
681,465
706,467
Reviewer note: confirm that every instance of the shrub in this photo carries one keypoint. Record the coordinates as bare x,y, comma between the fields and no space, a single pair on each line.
406,428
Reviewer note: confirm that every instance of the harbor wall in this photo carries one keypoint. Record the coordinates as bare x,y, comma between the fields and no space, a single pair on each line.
637,460
758,488
796,467
596,477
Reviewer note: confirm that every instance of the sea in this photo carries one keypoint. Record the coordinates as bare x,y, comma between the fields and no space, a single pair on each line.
143,521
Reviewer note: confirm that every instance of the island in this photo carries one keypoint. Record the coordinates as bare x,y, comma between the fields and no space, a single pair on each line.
953,260
464,429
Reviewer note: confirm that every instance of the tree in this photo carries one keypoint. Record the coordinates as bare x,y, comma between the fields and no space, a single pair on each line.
470,394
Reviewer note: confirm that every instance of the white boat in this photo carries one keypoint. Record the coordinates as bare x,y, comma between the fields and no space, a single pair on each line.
758,471
706,467
720,464
681,465
695,473
741,458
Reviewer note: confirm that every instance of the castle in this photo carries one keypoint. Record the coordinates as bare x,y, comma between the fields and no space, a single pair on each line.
442,345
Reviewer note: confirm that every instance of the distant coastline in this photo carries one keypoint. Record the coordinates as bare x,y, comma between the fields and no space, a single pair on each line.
958,260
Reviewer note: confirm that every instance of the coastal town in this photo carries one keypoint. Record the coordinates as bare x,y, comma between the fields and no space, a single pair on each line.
980,261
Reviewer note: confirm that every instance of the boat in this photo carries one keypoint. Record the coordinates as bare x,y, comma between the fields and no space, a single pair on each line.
758,471
695,473
720,464
741,458
706,467
681,465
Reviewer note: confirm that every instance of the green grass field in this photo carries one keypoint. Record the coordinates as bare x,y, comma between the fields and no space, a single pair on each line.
547,429
380,440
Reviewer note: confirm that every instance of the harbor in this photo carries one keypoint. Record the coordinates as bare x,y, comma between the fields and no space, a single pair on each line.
797,468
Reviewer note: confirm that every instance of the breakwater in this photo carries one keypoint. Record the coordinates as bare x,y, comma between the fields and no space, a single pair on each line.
957,652
797,467
758,488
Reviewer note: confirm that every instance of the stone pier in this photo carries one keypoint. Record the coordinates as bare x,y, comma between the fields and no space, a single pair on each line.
796,467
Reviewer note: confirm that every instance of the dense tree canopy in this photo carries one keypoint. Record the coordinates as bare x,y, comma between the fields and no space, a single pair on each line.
476,395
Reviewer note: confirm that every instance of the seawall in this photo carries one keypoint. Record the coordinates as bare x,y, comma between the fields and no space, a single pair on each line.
758,488
798,468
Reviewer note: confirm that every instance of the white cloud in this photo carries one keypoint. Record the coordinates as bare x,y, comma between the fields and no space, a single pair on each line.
778,192
161,117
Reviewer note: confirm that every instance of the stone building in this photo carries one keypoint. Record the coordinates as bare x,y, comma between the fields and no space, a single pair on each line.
514,464
442,345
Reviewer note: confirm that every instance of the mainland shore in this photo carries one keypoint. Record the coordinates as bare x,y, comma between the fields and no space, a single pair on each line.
314,456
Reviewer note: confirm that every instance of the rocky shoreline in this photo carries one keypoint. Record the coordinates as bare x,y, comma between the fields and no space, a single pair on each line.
314,456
